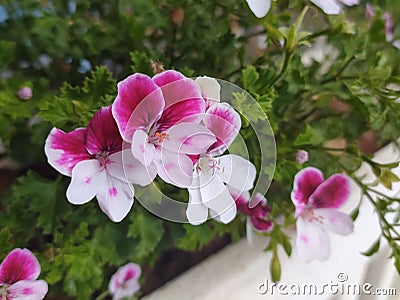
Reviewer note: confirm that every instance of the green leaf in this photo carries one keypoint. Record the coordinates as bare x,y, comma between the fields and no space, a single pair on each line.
373,249
249,76
387,178
195,237
148,230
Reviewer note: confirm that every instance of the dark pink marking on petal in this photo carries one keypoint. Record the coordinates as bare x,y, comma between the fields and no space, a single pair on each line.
70,148
332,193
305,183
102,133
261,224
304,239
137,92
20,264
113,192
225,123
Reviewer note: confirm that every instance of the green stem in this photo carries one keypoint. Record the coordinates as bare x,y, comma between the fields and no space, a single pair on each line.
102,296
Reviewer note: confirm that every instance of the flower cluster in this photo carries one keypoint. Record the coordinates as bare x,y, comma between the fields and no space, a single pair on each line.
168,125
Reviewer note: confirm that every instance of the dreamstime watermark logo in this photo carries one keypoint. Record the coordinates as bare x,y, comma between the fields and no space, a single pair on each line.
340,286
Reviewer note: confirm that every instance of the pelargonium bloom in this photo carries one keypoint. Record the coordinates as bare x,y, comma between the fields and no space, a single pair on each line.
125,282
212,172
257,212
317,202
98,165
18,277
159,116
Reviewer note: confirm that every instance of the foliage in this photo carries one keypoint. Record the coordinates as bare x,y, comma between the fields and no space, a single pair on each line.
72,54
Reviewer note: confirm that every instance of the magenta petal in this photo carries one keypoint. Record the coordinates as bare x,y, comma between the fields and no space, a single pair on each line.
20,264
305,183
102,133
261,224
138,104
167,77
28,290
65,150
225,123
332,193
183,100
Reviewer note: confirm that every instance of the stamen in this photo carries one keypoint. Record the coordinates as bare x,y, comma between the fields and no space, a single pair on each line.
161,136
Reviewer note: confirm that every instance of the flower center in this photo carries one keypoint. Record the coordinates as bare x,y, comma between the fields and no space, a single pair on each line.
158,137
102,158
309,215
207,162
3,292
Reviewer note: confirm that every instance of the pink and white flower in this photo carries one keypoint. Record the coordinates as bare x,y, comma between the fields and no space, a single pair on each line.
125,282
95,159
159,116
317,202
18,277
212,173
257,212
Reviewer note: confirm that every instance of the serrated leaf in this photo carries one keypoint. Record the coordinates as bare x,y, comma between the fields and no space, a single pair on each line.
249,77
148,230
195,237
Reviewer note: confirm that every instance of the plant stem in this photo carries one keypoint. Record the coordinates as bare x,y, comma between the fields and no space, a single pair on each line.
102,296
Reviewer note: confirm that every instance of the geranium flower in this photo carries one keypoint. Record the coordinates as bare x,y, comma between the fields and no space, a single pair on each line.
160,117
317,201
213,172
18,277
260,8
256,210
124,283
98,165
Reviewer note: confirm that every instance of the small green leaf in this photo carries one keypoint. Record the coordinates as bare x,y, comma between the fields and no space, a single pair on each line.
373,249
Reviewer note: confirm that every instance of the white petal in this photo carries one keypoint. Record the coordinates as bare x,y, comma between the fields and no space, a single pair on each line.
210,88
188,138
176,169
334,220
260,8
237,172
312,241
115,198
350,2
87,177
330,7
28,290
127,168
226,216
196,212
141,148
216,196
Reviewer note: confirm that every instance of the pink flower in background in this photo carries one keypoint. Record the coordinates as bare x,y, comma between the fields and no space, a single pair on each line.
213,173
317,202
98,165
257,212
301,156
387,17
160,117
25,93
18,277
125,282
